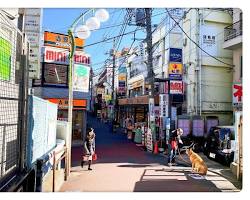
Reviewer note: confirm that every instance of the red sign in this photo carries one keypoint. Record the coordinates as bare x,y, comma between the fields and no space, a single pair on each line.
237,93
61,56
176,87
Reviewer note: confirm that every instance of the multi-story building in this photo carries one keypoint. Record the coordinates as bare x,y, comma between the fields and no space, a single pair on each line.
233,41
208,70
53,85
166,37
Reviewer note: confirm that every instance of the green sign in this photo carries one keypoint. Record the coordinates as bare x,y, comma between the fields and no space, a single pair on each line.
5,59
81,70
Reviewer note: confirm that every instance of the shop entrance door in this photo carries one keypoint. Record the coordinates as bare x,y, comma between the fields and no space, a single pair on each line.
77,125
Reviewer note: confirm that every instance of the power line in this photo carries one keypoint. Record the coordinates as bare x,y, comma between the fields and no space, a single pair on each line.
197,44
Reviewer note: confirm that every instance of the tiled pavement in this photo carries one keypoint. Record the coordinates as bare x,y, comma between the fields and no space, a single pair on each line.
123,166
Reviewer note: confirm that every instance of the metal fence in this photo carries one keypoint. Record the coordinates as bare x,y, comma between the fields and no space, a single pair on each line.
12,99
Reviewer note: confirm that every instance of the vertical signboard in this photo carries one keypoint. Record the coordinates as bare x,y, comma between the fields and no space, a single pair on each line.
151,109
237,94
164,105
122,76
81,78
32,29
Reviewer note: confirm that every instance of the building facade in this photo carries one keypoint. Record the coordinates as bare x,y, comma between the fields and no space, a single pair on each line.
53,85
233,41
207,93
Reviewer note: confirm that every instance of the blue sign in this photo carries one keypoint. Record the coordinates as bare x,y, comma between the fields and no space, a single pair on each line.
175,55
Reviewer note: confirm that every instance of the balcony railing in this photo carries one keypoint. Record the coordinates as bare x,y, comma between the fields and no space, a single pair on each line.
233,31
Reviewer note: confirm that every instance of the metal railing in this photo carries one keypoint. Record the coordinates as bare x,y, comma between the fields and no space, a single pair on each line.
233,31
13,100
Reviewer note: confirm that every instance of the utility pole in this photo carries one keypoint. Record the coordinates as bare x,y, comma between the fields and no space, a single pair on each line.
113,83
150,69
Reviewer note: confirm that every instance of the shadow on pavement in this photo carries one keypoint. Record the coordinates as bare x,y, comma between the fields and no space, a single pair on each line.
178,181
135,166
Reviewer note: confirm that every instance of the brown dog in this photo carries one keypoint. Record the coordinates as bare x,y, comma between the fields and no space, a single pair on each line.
198,164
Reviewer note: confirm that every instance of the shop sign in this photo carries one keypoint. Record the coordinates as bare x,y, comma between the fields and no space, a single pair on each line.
32,30
81,78
151,109
64,103
237,94
122,77
61,56
163,102
175,70
32,23
176,87
173,113
61,41
175,55
149,140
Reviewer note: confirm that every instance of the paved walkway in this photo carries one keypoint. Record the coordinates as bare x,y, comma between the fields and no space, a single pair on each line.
123,166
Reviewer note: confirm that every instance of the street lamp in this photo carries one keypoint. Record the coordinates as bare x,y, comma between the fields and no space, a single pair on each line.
83,32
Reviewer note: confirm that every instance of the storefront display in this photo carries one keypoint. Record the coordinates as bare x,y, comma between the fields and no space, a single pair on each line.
78,115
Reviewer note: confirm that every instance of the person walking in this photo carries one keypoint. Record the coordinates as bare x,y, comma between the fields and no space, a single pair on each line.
89,147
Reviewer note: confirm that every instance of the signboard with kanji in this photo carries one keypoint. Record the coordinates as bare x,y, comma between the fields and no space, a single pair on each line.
176,87
175,70
237,94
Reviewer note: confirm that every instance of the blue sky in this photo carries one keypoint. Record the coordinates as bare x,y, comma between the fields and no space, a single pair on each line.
60,19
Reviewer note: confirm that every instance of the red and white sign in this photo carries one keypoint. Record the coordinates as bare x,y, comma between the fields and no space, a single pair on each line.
61,56
176,87
237,93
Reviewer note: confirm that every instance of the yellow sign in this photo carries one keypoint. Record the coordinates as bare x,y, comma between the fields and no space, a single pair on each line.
122,77
175,69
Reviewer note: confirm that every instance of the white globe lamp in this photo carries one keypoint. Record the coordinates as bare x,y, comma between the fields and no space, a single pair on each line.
82,32
102,15
93,23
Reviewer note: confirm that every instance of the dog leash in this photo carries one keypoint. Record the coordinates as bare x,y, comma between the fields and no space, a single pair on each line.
182,157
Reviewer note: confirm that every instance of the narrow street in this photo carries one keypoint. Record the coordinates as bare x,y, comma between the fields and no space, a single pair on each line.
124,166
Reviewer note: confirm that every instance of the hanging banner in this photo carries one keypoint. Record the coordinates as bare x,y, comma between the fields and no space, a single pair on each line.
176,87
175,70
81,78
175,55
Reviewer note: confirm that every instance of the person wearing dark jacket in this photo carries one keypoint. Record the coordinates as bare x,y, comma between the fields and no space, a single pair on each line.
175,143
89,146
